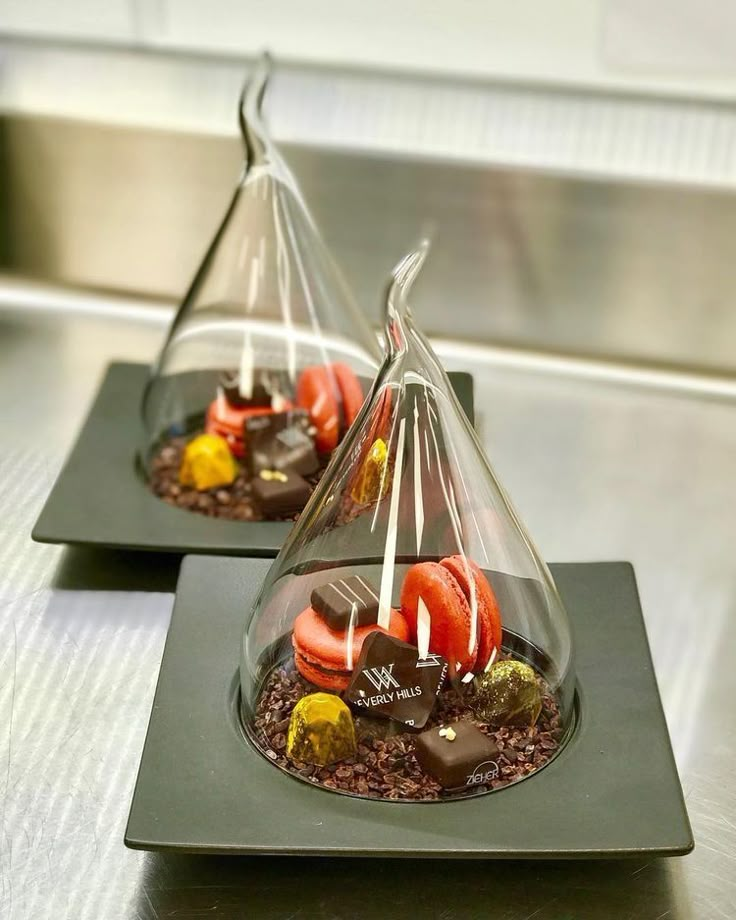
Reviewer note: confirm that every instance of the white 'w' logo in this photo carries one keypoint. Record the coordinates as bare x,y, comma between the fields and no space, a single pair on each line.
381,678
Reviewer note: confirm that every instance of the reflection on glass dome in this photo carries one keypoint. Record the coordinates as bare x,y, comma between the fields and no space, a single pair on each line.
268,360
408,643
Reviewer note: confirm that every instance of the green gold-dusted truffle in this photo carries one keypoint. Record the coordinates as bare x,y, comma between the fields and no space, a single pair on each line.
374,477
321,730
507,694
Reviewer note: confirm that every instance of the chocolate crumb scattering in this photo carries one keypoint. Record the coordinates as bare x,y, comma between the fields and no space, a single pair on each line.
384,765
233,502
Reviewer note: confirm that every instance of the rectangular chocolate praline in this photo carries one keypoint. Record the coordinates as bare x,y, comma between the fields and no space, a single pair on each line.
285,493
280,441
260,395
469,759
335,601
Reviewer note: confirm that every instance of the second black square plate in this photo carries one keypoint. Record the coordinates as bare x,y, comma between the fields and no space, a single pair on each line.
100,498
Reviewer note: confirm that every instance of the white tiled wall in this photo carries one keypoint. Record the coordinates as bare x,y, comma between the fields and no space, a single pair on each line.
466,79
574,131
111,20
668,46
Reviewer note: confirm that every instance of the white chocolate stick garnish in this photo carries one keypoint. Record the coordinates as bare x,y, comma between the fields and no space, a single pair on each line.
454,515
492,658
349,638
283,273
424,628
469,577
454,519
221,405
426,448
418,497
255,274
245,382
389,553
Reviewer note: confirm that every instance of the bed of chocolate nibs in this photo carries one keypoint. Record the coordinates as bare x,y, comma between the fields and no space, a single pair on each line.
385,767
233,502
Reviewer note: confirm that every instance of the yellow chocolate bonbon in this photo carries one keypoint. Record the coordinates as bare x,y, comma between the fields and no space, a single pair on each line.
207,463
321,730
374,479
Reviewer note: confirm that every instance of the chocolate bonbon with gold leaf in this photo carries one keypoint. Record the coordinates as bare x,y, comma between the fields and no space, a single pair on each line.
321,730
507,694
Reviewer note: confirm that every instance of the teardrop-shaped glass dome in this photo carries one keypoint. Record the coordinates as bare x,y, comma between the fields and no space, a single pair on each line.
268,359
409,642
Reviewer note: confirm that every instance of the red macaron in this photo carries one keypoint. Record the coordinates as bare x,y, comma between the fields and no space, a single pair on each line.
228,421
445,589
333,396
490,630
321,653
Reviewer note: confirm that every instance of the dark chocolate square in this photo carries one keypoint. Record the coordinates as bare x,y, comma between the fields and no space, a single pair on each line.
280,492
335,601
391,680
457,755
260,396
280,441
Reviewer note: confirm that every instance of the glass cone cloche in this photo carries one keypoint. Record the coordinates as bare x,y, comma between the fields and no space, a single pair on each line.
408,643
268,360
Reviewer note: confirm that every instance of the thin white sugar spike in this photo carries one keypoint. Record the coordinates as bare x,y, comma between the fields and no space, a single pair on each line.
255,274
418,497
389,553
492,659
424,628
349,637
245,383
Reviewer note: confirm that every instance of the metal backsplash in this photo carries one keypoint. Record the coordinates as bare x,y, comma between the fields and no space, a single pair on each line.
632,271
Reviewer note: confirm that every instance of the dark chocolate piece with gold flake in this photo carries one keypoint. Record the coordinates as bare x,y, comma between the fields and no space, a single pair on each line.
279,492
457,755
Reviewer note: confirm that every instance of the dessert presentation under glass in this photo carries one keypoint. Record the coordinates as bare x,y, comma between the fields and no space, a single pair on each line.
268,360
409,643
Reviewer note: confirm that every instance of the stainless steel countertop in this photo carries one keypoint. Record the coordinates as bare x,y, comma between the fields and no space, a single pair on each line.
599,470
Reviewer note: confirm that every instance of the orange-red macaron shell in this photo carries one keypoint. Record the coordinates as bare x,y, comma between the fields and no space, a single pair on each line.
323,391
315,392
320,652
489,616
350,390
449,613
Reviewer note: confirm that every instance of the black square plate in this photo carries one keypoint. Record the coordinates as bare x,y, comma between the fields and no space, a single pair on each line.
100,498
613,791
